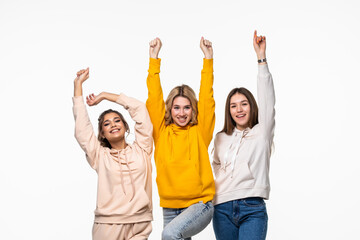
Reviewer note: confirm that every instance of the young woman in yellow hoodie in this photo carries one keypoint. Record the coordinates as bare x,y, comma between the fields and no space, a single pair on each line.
124,198
183,129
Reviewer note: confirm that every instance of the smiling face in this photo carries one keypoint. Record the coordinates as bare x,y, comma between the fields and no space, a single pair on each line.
181,111
113,128
240,110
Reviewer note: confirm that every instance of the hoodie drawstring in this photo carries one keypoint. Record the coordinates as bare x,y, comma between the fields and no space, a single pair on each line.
236,150
122,176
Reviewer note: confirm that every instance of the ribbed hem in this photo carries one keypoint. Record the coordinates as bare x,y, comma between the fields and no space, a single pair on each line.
181,203
241,193
134,218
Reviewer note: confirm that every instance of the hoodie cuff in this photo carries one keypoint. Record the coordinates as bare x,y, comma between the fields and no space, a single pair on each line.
78,100
208,65
154,65
263,69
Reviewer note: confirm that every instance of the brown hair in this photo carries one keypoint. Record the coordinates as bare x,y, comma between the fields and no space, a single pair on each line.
229,123
181,91
103,141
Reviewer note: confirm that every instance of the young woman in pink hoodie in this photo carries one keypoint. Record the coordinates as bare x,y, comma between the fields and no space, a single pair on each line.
124,200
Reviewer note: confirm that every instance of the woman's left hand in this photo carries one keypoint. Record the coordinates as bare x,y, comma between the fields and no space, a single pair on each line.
93,99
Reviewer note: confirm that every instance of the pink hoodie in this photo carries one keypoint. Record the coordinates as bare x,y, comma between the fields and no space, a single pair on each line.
124,176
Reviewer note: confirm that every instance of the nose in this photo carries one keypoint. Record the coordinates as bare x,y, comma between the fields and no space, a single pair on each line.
112,124
239,108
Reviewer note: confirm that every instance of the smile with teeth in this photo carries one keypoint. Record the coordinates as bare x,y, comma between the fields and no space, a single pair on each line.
115,130
182,119
240,116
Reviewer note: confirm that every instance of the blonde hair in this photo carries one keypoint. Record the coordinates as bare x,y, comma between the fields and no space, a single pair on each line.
181,91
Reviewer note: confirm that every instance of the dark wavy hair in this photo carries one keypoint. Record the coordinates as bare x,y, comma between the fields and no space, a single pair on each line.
229,123
103,141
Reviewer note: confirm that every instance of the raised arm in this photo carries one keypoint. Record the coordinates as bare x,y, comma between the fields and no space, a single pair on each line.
138,112
84,132
206,104
155,102
265,88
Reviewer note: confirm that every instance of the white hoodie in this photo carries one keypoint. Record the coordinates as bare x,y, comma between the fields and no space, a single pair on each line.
241,160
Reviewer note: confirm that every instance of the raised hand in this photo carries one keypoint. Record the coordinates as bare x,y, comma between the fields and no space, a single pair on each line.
155,46
93,99
259,43
82,76
206,48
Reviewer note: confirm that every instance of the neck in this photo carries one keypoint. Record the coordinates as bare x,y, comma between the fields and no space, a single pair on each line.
118,145
241,128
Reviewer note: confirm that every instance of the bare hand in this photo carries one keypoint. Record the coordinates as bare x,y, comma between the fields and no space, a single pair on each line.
82,76
206,48
155,46
259,45
93,99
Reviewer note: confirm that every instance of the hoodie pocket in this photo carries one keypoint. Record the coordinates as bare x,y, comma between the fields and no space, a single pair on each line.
245,178
179,180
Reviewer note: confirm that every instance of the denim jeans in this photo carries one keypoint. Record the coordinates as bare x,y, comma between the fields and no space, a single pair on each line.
182,223
243,219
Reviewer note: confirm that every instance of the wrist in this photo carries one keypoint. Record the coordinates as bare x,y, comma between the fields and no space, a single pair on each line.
77,83
261,56
154,56
208,56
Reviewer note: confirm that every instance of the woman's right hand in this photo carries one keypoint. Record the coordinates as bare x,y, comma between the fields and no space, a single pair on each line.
82,76
259,45
206,48
155,46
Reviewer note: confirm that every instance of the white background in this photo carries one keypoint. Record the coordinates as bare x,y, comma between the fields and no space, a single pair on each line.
48,191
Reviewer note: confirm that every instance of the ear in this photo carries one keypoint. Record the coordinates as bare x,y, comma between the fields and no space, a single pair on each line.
102,135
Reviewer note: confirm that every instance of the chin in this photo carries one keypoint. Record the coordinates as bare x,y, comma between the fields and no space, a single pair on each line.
182,124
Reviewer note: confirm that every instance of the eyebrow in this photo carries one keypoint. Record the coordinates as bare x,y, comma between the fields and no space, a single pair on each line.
176,105
240,102
108,120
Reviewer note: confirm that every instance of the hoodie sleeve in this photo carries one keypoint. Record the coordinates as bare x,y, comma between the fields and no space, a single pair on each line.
84,132
206,104
266,100
155,102
143,126
216,161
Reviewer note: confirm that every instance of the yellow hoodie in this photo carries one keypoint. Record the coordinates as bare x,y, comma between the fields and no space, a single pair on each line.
184,174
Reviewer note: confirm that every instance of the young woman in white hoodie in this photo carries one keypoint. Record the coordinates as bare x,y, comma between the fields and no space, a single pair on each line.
124,201
241,157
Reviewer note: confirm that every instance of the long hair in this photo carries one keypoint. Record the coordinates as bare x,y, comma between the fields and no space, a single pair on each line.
181,91
229,123
103,141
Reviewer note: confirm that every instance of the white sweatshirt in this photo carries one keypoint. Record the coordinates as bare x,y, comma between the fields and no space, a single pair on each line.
241,160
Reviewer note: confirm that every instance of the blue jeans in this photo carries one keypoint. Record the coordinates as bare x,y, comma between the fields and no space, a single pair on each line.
243,219
182,223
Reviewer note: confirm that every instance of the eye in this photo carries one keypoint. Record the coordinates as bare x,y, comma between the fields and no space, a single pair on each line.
118,120
245,104
233,106
106,124
176,107
187,107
